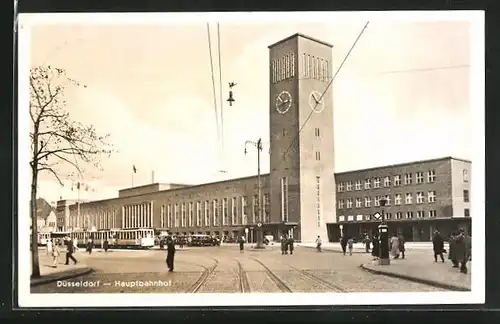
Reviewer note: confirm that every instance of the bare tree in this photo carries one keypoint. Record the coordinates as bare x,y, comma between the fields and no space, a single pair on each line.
56,139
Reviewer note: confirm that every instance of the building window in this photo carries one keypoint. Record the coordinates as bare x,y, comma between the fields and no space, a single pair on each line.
431,196
318,156
318,201
169,216
233,211
388,216
399,215
316,132
420,214
409,214
215,212
397,180
244,213
358,203
431,176
190,215
207,213
176,217
340,187
377,201
183,215
255,208
408,199
368,202
466,212
465,175
388,200
376,183
420,198
225,212
198,214
349,186
420,177
284,199
358,185
267,209
397,199
341,218
387,181
408,179
341,204
349,203
466,196
432,213
368,183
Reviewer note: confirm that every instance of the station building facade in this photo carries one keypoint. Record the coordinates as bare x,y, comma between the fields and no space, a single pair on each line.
421,197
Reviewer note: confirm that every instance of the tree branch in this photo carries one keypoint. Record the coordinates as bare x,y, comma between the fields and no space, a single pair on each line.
51,171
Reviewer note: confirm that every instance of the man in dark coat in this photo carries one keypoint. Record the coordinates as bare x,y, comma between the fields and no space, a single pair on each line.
105,245
452,254
343,243
290,244
402,245
462,249
367,242
284,248
438,246
170,254
69,251
242,244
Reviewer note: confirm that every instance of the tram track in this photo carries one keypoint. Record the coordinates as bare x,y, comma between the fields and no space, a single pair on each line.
243,280
319,280
196,286
277,281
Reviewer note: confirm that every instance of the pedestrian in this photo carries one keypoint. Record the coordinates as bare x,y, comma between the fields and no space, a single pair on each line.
69,251
318,244
283,244
367,242
89,246
162,242
241,240
376,247
343,243
170,254
49,246
55,254
105,245
394,243
463,248
350,245
438,246
75,244
452,254
402,245
290,244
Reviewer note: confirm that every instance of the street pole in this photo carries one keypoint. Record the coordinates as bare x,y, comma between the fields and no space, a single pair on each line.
384,238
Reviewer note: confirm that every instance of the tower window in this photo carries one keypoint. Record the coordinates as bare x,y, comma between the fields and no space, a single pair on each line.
316,132
318,156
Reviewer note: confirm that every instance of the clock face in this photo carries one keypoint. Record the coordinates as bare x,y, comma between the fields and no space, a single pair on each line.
283,102
316,104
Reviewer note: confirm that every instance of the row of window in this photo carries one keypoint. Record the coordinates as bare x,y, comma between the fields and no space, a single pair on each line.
408,179
138,215
397,215
315,67
99,219
283,68
348,203
318,202
214,212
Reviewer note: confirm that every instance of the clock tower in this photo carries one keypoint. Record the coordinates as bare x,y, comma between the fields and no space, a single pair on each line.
302,185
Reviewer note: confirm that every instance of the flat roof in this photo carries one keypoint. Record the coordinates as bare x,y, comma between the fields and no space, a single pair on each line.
404,164
301,35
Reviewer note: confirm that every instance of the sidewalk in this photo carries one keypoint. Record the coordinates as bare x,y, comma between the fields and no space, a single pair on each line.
420,267
62,272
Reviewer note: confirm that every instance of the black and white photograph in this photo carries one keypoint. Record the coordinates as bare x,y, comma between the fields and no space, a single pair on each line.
245,158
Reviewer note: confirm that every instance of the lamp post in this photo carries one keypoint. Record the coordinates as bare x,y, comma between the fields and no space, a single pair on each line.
384,237
258,146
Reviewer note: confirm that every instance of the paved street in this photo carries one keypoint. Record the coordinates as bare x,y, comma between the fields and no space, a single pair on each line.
224,269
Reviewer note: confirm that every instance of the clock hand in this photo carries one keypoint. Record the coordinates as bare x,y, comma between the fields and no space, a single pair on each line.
279,98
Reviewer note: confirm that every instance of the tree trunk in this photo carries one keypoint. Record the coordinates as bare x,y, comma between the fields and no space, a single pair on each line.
35,263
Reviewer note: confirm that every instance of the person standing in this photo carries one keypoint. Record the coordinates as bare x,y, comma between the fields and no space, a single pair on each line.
49,246
376,247
463,247
394,243
69,251
318,243
283,244
290,244
452,254
170,254
350,245
89,246
55,254
241,240
438,246
402,245
343,243
367,242
105,245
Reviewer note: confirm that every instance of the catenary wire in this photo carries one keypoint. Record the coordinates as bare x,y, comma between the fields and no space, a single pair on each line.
213,82
220,93
326,89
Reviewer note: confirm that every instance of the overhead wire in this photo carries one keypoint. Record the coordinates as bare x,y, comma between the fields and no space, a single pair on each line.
213,83
450,67
220,93
326,89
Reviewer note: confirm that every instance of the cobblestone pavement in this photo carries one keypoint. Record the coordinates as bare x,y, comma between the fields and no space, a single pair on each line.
224,270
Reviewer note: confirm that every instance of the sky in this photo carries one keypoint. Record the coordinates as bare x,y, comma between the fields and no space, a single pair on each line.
402,95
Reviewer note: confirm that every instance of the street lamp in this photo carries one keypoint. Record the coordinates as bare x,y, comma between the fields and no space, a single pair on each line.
384,237
260,237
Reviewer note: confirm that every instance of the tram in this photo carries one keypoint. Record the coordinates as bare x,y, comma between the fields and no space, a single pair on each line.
43,238
117,238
